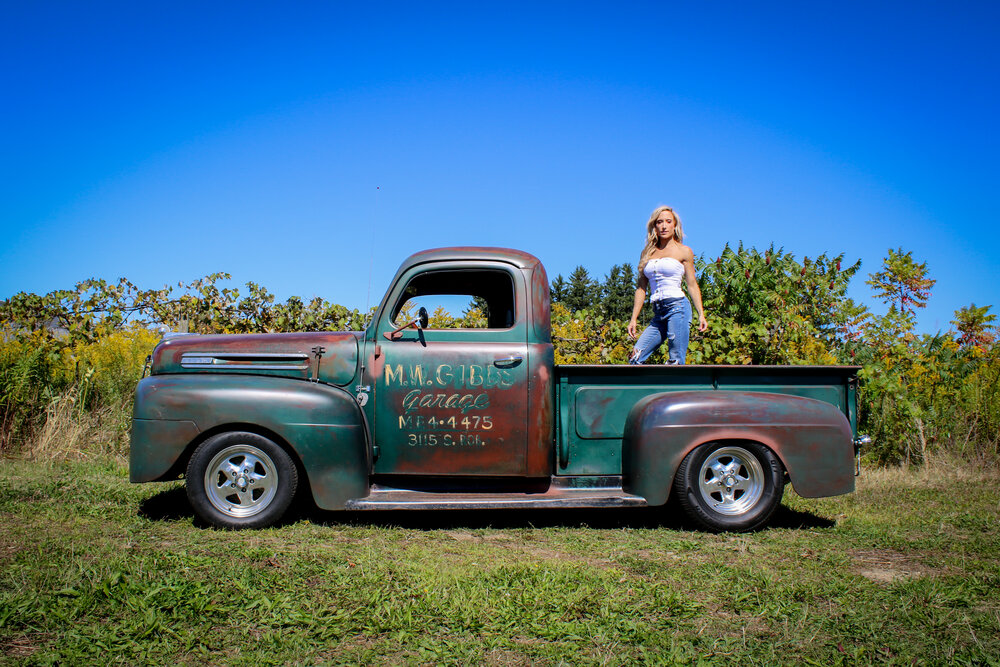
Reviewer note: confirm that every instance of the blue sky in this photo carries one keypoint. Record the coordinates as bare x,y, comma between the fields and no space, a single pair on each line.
310,147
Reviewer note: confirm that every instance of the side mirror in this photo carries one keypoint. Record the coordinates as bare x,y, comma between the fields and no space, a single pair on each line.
419,322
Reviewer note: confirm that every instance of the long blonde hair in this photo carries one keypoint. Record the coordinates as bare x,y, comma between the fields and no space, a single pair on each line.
651,239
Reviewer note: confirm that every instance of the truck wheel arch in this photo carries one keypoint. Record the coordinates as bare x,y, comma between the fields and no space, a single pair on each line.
811,438
319,426
179,468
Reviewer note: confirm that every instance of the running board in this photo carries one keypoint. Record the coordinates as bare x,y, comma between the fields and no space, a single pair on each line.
385,498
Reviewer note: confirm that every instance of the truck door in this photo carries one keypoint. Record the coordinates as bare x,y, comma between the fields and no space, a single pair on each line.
451,399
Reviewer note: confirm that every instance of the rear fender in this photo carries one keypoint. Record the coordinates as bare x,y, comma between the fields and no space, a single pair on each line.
322,425
812,438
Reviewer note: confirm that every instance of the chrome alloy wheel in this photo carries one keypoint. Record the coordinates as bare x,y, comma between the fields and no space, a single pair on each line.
241,481
731,481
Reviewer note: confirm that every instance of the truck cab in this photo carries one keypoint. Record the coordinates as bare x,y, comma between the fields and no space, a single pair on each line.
472,402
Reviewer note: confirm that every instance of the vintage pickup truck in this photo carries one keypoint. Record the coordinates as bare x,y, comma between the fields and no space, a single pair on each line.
402,416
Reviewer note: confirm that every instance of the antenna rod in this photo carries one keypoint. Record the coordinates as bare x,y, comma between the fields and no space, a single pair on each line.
371,258
362,388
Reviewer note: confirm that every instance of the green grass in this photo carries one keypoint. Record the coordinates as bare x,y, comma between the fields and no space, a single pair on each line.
94,570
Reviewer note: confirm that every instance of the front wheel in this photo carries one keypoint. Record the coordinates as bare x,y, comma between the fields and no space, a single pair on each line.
240,480
730,486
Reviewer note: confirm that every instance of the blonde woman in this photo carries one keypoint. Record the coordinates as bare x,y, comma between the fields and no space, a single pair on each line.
664,262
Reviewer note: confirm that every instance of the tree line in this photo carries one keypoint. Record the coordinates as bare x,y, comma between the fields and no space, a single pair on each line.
921,394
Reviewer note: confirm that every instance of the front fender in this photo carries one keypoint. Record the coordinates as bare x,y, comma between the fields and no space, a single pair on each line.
812,438
322,424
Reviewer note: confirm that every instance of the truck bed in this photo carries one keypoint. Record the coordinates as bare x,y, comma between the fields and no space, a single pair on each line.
594,401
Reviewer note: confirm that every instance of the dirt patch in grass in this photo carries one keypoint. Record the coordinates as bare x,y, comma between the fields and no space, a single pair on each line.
460,536
24,646
885,566
499,537
505,658
9,551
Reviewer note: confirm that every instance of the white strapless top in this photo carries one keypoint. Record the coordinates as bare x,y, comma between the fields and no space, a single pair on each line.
664,275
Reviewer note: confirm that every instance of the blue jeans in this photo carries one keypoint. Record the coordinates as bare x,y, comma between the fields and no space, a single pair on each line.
671,323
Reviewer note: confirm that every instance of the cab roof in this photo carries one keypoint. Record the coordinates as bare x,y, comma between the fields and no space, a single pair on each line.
518,258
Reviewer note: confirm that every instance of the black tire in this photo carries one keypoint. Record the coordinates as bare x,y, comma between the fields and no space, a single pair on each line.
240,480
730,486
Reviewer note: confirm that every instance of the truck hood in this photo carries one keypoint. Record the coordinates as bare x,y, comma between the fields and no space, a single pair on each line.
292,355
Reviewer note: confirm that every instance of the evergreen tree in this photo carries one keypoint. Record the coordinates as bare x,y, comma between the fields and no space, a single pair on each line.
558,289
477,303
618,292
583,291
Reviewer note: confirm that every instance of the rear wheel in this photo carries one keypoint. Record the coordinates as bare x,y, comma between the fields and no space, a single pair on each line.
730,486
240,480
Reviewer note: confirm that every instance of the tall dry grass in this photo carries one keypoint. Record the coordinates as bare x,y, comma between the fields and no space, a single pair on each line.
71,433
70,401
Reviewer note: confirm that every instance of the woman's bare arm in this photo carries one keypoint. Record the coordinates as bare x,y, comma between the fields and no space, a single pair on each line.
640,298
692,286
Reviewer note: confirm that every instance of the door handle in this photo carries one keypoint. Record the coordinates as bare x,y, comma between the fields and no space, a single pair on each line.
513,360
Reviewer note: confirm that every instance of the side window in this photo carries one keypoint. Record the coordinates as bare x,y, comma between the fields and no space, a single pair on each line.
459,299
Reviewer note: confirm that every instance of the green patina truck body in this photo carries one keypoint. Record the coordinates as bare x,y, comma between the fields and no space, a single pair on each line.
403,416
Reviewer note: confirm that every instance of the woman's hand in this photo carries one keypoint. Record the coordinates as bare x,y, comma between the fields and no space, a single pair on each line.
631,329
702,323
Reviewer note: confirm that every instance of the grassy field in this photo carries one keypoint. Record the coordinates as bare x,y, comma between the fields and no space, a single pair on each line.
94,570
